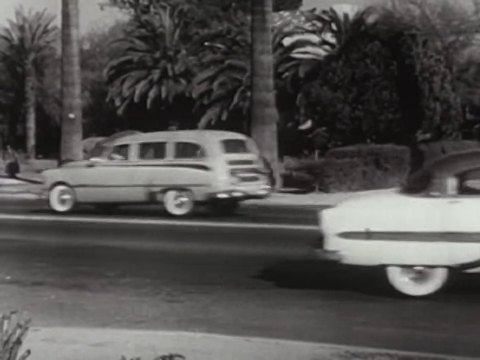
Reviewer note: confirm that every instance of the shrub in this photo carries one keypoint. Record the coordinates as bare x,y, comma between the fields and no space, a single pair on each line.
354,168
381,166
298,180
331,175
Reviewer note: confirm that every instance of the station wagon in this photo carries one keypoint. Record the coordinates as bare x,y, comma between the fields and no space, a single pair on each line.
179,169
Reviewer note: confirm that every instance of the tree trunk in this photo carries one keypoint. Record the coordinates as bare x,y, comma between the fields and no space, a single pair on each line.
264,114
30,104
71,141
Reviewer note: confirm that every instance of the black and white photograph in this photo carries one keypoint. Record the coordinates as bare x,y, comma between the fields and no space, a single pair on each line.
239,179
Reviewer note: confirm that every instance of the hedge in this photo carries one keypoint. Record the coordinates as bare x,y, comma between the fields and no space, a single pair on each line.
355,168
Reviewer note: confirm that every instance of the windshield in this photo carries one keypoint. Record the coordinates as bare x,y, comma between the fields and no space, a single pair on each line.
235,146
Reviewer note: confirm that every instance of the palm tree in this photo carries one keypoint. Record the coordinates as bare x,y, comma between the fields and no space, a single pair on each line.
155,68
302,45
71,140
264,114
27,44
222,85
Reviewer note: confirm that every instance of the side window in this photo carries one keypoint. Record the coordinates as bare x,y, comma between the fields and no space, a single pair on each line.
119,152
470,182
150,151
235,146
187,150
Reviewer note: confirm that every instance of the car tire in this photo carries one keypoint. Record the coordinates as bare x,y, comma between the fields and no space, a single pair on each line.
417,281
179,202
61,198
224,208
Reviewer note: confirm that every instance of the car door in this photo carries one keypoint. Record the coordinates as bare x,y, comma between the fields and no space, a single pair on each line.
110,179
189,167
463,222
152,171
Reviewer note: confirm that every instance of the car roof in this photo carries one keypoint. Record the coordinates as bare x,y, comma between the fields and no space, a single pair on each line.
434,174
455,163
175,135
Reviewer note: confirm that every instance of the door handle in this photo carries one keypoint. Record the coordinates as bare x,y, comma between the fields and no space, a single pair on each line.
453,201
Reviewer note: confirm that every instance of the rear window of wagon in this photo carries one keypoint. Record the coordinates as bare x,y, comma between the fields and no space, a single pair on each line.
235,146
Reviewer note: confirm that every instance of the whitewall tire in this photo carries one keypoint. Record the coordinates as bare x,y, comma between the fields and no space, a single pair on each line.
417,281
179,202
61,198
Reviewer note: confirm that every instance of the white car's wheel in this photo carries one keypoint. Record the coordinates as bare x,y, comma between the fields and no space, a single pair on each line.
417,280
179,202
61,198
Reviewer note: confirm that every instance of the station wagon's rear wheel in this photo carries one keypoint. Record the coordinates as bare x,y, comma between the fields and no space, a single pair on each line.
179,202
61,198
417,280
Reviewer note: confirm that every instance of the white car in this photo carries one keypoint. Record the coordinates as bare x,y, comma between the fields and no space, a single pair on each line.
419,234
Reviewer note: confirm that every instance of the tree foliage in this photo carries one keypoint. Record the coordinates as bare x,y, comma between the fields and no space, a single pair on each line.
352,94
222,85
98,48
27,45
155,67
378,75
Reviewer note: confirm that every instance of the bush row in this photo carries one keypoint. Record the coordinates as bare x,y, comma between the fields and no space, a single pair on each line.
353,168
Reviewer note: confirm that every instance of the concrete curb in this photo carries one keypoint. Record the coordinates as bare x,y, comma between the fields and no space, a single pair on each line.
90,344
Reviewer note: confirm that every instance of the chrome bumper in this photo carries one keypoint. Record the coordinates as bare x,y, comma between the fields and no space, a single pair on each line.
240,194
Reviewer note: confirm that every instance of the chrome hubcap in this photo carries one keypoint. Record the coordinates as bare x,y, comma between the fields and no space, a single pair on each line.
65,198
417,274
181,200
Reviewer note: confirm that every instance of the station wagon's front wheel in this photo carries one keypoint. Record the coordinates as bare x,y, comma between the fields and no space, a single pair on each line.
179,202
61,198
417,280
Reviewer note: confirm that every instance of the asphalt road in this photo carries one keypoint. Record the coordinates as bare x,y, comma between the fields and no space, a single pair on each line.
253,274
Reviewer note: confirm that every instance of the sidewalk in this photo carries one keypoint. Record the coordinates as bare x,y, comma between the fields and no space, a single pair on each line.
112,344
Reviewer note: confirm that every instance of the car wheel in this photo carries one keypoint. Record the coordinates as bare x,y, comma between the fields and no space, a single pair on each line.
224,207
178,202
417,280
61,198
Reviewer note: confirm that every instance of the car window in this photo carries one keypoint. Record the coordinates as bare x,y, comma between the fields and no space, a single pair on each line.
235,146
150,151
470,182
188,150
119,152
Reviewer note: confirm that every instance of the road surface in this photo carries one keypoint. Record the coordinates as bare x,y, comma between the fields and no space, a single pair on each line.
253,274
